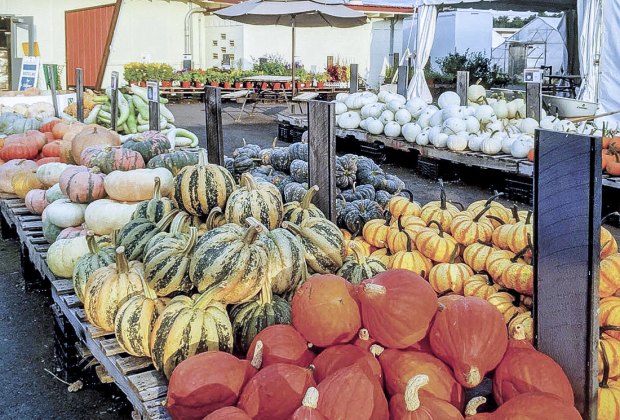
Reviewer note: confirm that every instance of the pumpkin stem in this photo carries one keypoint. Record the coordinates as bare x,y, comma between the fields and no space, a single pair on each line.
357,251
311,399
147,290
353,186
436,223
274,143
251,234
445,293
497,219
177,222
191,241
412,399
442,195
458,204
374,289
266,295
521,253
376,350
518,332
215,211
166,220
605,359
473,377
609,216
122,266
454,254
157,189
494,197
473,404
292,227
248,181
114,237
528,219
93,248
409,241
479,215
515,213
363,334
308,196
257,358
203,159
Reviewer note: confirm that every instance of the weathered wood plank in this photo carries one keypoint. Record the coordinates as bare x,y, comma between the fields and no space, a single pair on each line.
111,347
213,121
132,364
567,210
353,78
462,85
146,380
63,286
533,100
72,301
403,79
322,155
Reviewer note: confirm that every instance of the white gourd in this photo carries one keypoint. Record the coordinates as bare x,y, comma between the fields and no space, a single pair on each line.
457,142
521,147
342,97
349,120
415,106
476,94
447,99
402,116
472,125
474,143
63,213
501,109
437,119
340,107
491,146
441,140
485,114
507,144
454,126
386,116
374,126
392,129
411,131
422,138
394,106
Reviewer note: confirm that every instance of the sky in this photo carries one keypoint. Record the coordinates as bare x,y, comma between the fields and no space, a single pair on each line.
404,3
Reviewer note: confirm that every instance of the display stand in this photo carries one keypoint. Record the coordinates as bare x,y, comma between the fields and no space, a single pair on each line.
152,94
567,211
213,122
79,94
353,68
322,155
403,75
114,100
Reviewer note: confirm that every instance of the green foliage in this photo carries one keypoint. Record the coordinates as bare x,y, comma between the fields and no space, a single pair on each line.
519,22
479,67
272,65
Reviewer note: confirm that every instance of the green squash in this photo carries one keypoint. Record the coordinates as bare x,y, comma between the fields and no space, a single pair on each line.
346,169
359,192
98,256
155,208
136,234
368,172
174,161
298,150
358,267
244,163
323,243
357,213
167,260
299,170
248,319
251,150
296,211
294,191
148,144
50,231
280,159
255,199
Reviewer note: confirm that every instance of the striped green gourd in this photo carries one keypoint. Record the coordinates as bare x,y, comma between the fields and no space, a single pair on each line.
232,261
260,200
188,326
199,188
138,232
358,267
248,319
155,208
174,161
287,265
149,144
167,260
97,257
323,243
297,211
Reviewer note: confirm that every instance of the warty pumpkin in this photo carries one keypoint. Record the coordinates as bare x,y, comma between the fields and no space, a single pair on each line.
435,245
403,233
63,255
167,260
109,287
25,181
104,216
260,200
324,312
199,188
155,208
360,267
308,410
470,335
296,211
441,211
480,285
450,276
469,227
137,184
82,185
92,136
412,406
205,383
87,264
188,326
397,307
281,343
249,318
322,242
137,233
231,261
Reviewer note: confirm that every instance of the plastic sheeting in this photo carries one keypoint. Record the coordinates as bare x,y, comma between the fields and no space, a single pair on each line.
609,82
590,47
427,21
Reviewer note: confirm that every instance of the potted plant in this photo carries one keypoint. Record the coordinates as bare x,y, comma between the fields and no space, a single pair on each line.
133,73
162,72
214,77
227,79
199,76
185,77
321,78
301,76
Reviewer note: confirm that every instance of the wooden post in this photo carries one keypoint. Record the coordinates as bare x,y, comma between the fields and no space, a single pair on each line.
213,120
462,84
353,78
114,99
567,212
396,60
330,61
322,155
533,100
152,93
403,76
79,93
52,75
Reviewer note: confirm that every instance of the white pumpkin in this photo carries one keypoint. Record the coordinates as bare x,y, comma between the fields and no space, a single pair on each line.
374,126
372,110
454,125
500,108
485,114
521,147
564,126
422,138
63,255
349,120
477,94
411,131
441,140
54,193
457,142
342,97
402,116
363,124
472,125
394,106
434,132
383,96
354,101
491,145
507,144
474,143
447,99
548,122
340,108
63,213
415,106
104,216
386,116
49,173
392,129
138,184
368,98
437,119
496,126
528,126
453,112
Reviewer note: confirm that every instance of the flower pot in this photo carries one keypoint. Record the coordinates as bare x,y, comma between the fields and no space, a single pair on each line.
199,84
249,85
299,85
185,83
238,85
288,85
226,85
264,86
214,84
320,85
166,83
143,83
277,86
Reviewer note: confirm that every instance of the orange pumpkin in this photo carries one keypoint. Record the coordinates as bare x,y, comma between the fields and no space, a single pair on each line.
411,260
48,126
82,185
613,165
436,245
51,149
66,155
412,405
92,137
308,410
450,276
609,276
469,227
20,149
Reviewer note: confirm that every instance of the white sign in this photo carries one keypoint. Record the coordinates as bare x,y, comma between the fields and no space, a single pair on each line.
152,90
29,74
533,76
114,81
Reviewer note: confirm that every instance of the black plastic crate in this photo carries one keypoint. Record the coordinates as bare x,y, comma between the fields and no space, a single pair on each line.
428,168
284,132
375,151
519,190
295,134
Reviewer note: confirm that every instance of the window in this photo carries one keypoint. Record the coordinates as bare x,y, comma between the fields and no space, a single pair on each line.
216,56
232,42
223,49
215,42
223,36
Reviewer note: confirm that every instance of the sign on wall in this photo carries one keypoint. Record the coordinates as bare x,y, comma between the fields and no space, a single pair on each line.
29,74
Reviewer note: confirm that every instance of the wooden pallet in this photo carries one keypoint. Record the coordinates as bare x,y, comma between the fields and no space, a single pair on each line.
611,182
144,387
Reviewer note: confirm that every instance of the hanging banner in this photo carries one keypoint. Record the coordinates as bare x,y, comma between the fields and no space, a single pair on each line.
29,75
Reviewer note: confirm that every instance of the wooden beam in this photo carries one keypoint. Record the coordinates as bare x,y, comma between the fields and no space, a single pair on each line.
213,121
79,93
462,84
353,78
108,43
567,213
322,155
403,79
533,100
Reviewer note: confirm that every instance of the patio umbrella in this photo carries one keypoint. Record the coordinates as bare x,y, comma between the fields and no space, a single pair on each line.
294,13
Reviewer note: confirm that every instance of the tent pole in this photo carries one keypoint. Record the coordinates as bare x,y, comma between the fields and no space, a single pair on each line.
293,59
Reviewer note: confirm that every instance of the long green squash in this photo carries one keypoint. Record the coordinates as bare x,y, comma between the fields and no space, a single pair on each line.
138,232
323,243
188,326
155,208
97,257
260,200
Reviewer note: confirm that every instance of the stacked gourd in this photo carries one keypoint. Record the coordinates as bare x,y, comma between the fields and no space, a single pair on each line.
610,159
385,348
490,125
362,187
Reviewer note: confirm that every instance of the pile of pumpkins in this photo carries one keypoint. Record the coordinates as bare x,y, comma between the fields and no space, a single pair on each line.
363,188
491,125
387,348
610,158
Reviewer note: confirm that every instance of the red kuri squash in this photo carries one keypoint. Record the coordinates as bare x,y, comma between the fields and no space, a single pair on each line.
337,357
282,344
536,406
414,405
228,413
308,410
